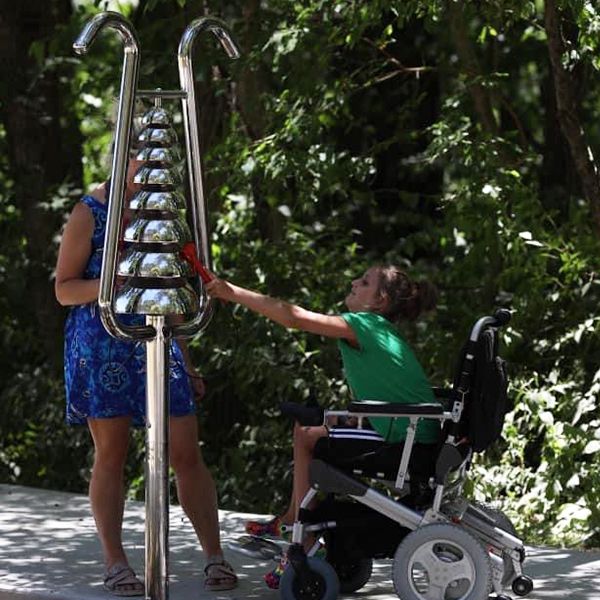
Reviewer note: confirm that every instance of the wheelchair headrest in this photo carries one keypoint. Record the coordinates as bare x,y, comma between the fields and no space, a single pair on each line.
502,316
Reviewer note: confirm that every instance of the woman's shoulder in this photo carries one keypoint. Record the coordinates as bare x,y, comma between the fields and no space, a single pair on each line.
95,199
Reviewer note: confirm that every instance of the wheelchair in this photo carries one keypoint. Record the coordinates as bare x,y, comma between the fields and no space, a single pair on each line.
412,509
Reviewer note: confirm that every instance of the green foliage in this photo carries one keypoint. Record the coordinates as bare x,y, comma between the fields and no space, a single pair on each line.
356,139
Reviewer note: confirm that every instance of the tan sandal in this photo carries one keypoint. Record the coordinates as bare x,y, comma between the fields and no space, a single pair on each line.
219,576
121,580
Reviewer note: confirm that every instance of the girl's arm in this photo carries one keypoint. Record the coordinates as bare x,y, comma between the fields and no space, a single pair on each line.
284,313
73,255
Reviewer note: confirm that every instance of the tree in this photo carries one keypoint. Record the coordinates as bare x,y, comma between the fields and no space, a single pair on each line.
449,137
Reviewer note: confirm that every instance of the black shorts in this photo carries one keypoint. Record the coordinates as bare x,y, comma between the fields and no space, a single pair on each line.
365,451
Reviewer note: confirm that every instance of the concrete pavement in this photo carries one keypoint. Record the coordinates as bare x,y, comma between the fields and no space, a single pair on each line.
49,551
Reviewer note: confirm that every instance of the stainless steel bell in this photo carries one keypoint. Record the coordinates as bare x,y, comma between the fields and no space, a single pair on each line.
156,117
163,265
166,177
163,201
156,276
159,155
154,136
144,231
157,301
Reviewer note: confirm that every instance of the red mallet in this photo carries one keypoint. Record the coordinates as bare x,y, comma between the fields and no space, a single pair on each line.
189,253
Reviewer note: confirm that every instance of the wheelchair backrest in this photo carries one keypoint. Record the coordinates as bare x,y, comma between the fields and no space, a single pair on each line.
481,384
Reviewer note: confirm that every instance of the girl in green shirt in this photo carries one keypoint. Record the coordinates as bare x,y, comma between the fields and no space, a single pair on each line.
378,364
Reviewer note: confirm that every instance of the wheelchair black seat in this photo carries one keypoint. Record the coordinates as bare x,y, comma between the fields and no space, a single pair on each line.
380,460
375,458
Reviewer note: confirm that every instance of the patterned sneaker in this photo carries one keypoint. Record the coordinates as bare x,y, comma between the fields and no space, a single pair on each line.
273,528
272,578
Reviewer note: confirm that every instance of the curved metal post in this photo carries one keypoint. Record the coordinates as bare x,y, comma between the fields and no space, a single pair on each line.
129,77
194,162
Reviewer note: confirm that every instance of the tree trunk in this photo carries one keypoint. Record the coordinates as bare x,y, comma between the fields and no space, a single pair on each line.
44,150
568,112
468,58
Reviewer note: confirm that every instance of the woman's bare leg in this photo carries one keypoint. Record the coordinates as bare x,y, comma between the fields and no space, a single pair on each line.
195,486
107,497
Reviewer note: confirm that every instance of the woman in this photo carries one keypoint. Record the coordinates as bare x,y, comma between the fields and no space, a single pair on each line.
105,389
378,363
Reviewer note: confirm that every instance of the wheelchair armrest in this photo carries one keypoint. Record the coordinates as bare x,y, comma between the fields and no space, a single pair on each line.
305,415
394,408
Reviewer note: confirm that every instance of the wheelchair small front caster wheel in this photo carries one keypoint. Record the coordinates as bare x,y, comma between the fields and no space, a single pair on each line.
318,582
522,585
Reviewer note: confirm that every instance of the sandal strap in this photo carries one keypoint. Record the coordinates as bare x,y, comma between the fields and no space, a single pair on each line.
223,570
221,565
120,574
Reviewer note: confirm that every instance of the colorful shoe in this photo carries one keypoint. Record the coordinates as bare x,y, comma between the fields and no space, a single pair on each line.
273,528
272,578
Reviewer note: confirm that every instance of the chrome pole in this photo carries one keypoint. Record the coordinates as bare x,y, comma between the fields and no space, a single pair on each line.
157,462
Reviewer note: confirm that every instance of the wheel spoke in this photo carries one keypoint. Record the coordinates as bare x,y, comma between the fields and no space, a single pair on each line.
434,592
426,556
462,569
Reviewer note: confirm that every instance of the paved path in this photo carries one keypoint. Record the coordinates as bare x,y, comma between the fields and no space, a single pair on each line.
49,551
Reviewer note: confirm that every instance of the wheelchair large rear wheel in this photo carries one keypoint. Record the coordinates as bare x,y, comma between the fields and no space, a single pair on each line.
320,583
441,562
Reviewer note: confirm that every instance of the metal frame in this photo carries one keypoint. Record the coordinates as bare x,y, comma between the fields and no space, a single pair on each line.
157,332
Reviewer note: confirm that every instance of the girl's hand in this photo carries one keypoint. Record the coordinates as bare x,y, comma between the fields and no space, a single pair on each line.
219,288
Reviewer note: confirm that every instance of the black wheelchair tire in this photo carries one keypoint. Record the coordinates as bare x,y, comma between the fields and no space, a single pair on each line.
290,587
353,575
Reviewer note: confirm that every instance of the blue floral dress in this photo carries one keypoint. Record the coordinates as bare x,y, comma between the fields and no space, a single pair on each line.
106,377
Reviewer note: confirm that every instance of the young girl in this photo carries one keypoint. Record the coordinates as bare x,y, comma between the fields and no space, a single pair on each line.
105,388
378,364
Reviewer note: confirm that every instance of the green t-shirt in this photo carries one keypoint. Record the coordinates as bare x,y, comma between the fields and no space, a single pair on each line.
384,368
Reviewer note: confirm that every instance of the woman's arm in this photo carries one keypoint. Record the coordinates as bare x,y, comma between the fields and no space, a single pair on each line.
73,256
284,313
196,379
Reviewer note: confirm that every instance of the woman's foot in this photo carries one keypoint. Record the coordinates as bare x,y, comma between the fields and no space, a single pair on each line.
219,575
121,580
273,528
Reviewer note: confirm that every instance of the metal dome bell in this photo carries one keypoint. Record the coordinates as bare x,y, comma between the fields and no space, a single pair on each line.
156,277
161,201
